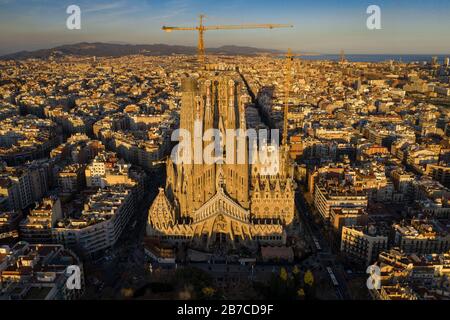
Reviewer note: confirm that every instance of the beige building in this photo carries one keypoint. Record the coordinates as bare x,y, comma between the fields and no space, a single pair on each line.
38,272
71,178
346,217
439,172
363,244
329,194
104,218
22,185
37,227
9,221
395,292
422,237
413,276
106,170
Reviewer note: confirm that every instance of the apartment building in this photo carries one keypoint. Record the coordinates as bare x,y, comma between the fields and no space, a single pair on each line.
419,157
439,172
345,217
329,195
71,178
106,169
22,186
422,236
403,185
37,272
37,227
362,244
101,223
413,276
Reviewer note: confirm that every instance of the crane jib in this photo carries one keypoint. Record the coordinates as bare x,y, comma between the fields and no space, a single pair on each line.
201,29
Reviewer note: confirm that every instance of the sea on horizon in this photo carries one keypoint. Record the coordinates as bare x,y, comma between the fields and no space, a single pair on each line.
377,57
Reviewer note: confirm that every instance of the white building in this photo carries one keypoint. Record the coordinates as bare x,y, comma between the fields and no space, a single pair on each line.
101,223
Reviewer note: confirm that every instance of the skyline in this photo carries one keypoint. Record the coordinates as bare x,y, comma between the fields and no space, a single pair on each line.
408,27
137,165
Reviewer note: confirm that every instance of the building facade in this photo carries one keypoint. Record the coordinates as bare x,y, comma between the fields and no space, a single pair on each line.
226,202
362,245
38,272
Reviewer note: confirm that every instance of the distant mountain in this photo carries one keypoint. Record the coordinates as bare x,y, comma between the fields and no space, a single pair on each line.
116,50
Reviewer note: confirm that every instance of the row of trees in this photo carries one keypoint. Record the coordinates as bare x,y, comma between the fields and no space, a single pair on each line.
297,285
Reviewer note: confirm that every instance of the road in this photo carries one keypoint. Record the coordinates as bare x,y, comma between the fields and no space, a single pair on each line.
125,262
325,256
238,272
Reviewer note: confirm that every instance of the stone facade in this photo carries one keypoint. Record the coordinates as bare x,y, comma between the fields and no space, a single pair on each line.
233,202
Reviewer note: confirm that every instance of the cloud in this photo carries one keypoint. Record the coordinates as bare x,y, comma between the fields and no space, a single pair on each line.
103,6
172,8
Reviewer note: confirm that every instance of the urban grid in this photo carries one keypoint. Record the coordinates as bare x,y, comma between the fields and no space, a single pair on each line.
352,203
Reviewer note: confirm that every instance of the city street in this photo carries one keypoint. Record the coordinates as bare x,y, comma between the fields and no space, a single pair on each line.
124,265
323,257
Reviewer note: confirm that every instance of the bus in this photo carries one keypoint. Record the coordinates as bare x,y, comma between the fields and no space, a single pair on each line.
317,244
332,277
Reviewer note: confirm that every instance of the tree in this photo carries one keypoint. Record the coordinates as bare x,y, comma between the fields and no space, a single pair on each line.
296,270
283,274
296,276
195,278
208,292
309,278
186,293
127,292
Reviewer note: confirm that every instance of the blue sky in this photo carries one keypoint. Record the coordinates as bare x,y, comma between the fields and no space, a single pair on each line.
325,26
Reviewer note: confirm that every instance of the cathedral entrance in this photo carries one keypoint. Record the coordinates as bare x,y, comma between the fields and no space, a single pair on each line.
221,238
220,244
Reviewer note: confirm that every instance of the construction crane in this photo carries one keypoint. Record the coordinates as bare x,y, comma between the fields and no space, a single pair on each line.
202,29
342,57
287,89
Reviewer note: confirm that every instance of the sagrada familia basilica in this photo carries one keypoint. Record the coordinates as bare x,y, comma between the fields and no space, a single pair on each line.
237,203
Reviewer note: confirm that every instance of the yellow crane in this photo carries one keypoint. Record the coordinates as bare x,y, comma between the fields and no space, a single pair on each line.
287,91
343,60
201,28
291,66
